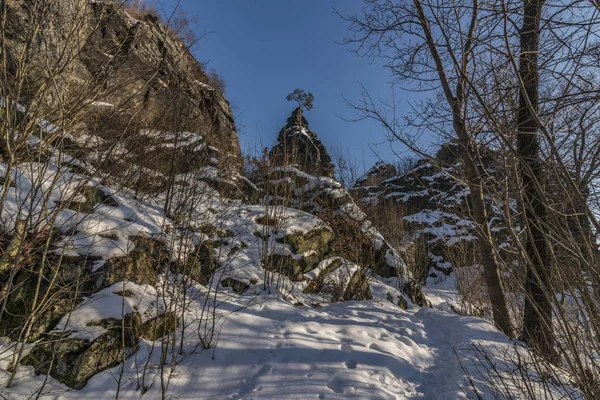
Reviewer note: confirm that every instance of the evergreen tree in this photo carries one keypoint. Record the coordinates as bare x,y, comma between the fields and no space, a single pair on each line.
304,100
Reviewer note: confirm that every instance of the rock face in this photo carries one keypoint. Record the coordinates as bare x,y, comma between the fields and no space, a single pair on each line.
133,86
378,173
142,265
298,146
431,203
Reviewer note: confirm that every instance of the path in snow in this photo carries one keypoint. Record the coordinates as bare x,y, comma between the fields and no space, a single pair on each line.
354,350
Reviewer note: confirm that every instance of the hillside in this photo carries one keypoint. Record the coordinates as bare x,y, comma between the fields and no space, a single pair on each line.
142,256
233,325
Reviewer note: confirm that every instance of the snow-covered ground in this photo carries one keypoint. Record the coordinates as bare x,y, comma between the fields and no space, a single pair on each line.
272,349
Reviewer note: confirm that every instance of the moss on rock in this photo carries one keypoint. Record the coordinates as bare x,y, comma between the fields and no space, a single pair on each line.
74,361
316,240
140,266
358,287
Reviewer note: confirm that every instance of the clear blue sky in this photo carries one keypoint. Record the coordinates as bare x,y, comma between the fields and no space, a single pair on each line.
266,48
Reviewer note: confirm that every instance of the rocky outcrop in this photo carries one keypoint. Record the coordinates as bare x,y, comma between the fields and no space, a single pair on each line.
378,173
137,95
308,185
74,361
431,201
298,146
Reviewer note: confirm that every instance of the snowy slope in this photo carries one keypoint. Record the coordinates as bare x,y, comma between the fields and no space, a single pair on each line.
272,340
271,349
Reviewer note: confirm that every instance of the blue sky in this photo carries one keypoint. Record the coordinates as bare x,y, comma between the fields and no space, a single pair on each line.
266,48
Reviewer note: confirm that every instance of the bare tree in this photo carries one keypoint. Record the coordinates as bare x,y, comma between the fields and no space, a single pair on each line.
429,44
537,318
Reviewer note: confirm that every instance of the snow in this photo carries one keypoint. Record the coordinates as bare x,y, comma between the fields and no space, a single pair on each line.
106,304
102,104
443,226
267,347
300,130
271,349
442,293
204,85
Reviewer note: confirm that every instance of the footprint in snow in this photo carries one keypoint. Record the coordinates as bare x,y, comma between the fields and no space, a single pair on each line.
375,346
351,364
335,385
406,341
346,348
265,369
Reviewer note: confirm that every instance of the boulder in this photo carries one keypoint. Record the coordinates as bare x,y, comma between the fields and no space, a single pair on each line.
141,265
202,263
358,287
316,240
415,294
74,361
158,327
236,285
294,267
74,278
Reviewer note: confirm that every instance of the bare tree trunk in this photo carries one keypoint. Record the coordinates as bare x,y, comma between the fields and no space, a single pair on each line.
484,237
480,214
537,317
300,117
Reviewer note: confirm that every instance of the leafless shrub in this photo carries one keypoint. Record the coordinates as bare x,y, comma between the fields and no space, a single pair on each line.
217,81
141,9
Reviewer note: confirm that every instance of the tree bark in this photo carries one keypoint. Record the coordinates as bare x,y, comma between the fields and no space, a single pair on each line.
480,213
299,117
537,316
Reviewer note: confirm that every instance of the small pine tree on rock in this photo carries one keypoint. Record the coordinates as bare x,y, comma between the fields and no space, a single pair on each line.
304,100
